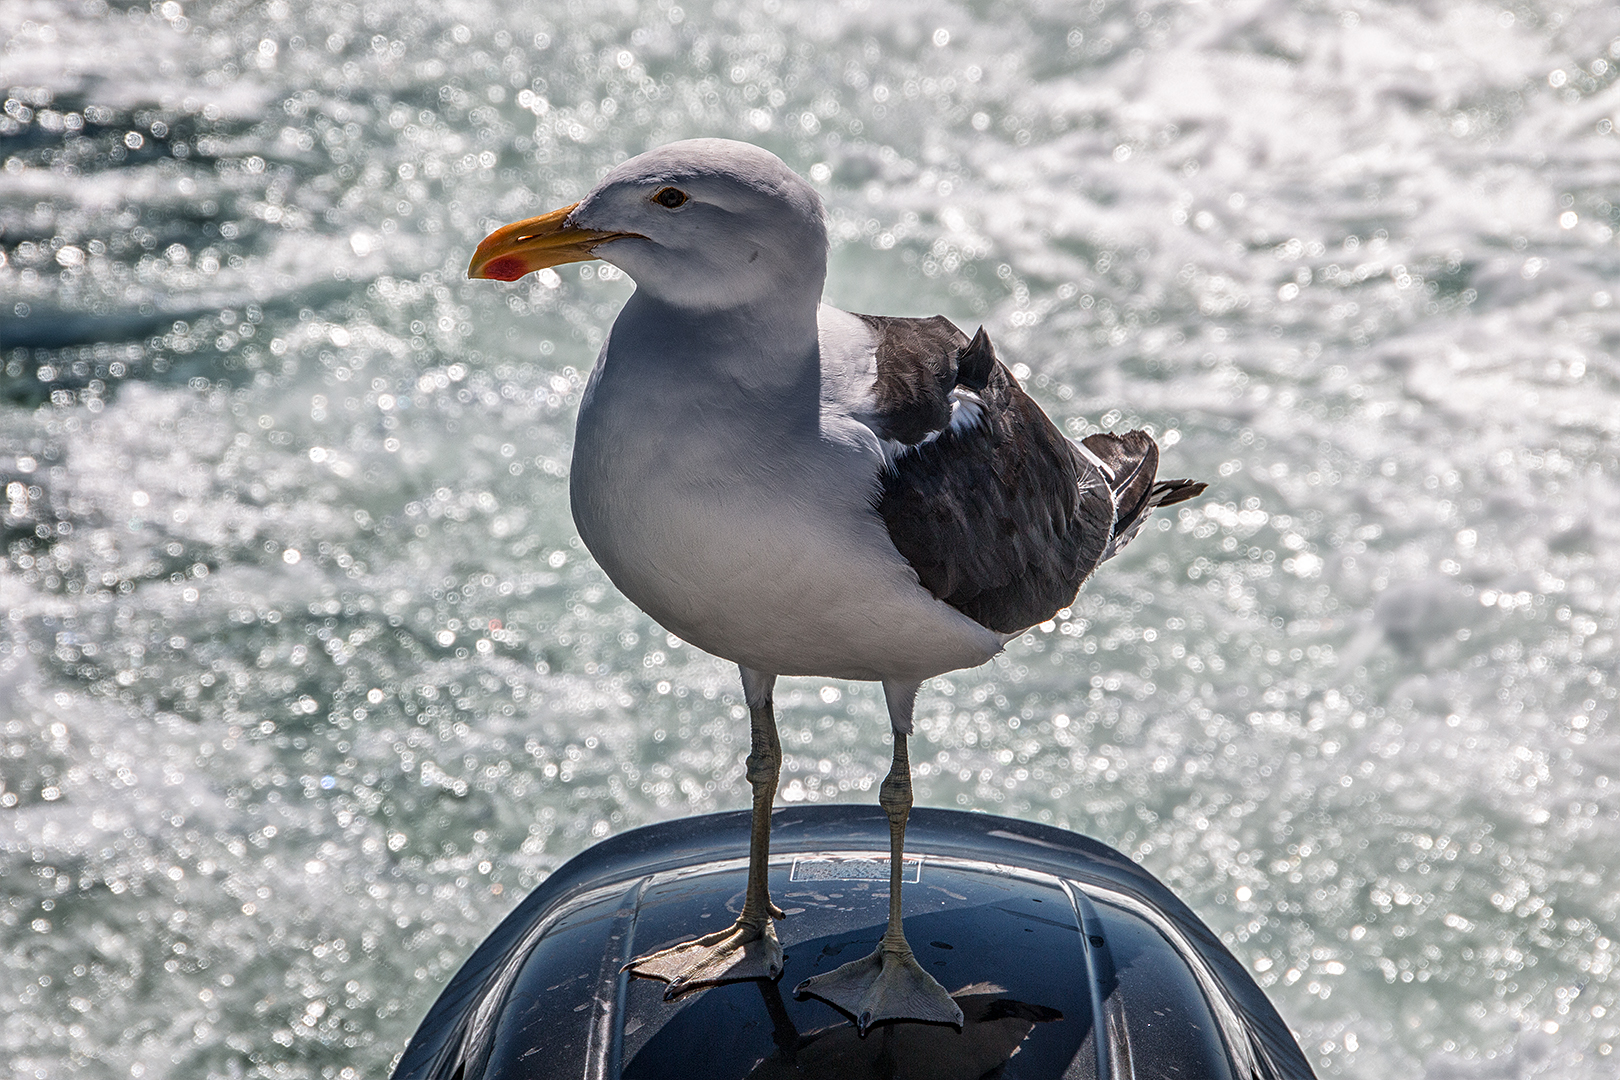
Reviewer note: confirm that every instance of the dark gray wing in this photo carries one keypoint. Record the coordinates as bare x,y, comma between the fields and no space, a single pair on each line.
917,363
1003,518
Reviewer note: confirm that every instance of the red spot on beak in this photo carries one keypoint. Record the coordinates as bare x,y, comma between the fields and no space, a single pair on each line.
505,268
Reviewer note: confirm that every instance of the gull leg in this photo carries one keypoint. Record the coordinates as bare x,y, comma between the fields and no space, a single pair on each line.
889,984
748,949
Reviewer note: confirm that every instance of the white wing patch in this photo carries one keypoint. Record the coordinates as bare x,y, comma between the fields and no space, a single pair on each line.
967,409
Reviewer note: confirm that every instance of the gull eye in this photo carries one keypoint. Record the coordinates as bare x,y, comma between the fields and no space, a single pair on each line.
669,198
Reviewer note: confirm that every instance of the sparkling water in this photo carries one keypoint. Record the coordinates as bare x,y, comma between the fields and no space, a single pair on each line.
306,678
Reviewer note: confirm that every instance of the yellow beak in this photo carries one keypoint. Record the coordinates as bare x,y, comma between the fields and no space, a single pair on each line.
526,246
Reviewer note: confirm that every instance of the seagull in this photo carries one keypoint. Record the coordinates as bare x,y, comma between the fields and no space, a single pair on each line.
805,491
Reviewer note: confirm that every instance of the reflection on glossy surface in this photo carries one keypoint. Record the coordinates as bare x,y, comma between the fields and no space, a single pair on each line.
993,1026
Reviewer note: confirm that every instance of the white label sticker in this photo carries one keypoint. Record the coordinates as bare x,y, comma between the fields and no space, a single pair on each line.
851,868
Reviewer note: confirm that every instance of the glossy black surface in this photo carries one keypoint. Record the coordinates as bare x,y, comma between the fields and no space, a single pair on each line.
1044,937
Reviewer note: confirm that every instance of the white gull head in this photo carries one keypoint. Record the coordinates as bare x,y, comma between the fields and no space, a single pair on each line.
702,225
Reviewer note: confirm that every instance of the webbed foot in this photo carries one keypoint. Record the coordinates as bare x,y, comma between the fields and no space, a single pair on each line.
745,950
887,985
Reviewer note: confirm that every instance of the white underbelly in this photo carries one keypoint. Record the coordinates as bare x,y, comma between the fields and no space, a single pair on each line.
776,561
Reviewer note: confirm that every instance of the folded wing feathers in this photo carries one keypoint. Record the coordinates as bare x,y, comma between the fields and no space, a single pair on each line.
1001,516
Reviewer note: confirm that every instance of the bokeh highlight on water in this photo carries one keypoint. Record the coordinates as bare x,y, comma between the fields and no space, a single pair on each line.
306,679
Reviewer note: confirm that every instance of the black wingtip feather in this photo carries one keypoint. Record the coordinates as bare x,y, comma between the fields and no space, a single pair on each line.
975,362
1134,459
1170,492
